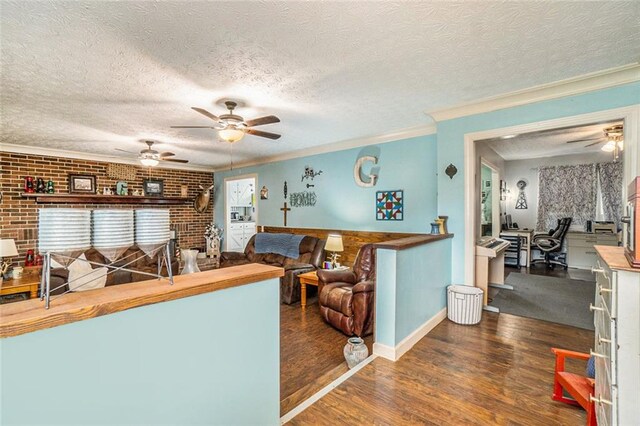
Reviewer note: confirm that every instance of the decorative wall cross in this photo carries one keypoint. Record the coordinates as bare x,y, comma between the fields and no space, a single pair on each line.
284,208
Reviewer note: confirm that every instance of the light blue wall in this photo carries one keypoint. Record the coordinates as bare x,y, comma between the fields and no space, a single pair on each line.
408,164
451,147
207,359
411,288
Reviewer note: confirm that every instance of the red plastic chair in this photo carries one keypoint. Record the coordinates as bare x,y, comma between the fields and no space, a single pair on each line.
579,387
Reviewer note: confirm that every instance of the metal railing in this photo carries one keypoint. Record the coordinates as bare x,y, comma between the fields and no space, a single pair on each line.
45,281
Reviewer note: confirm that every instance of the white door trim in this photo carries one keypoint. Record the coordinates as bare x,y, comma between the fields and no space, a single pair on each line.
631,117
227,217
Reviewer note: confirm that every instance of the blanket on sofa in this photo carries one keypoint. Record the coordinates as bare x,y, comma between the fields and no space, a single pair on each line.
287,245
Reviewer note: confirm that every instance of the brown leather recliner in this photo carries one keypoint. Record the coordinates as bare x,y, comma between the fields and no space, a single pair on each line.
347,297
310,259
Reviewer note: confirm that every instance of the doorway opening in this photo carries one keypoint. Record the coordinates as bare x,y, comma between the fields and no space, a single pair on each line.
551,180
240,210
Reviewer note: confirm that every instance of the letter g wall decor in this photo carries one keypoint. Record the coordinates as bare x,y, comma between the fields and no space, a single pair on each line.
358,168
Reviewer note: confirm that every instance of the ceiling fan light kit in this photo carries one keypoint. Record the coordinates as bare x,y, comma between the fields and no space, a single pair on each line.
615,143
231,134
148,161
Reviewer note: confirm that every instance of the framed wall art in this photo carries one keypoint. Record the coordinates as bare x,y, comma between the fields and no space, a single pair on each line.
153,187
82,184
390,205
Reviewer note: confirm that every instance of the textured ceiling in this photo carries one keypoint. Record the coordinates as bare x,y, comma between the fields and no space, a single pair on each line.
551,143
95,76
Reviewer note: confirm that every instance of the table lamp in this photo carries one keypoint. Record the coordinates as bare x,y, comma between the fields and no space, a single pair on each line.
7,249
334,245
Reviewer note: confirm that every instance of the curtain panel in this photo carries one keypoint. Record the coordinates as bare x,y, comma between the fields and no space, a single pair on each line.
566,191
571,191
611,175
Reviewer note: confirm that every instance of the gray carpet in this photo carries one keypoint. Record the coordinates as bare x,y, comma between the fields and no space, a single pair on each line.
558,300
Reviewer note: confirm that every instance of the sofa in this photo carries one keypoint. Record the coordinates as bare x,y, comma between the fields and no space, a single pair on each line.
60,276
310,259
346,297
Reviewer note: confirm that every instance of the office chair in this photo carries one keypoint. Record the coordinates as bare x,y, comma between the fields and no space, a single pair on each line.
551,244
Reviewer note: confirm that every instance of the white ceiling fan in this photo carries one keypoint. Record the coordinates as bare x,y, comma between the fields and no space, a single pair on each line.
613,139
232,127
150,157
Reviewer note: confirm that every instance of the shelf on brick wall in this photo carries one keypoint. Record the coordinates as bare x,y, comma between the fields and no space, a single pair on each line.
105,199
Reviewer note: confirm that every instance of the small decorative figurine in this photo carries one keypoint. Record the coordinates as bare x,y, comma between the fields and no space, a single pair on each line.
309,173
40,188
29,259
28,184
122,188
39,260
107,191
264,193
50,189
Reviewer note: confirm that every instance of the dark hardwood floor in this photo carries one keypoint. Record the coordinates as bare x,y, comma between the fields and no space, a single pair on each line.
499,372
310,353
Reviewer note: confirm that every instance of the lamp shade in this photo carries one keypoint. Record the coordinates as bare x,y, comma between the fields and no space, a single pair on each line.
334,243
8,248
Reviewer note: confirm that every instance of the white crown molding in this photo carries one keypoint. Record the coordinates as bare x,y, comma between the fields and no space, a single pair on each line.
412,132
51,152
572,86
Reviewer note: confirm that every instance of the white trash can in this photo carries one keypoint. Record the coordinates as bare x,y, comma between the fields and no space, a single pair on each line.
464,304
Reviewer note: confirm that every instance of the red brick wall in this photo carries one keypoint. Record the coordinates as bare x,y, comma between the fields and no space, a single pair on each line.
19,216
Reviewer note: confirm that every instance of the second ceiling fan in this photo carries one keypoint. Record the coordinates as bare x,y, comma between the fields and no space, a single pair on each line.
232,127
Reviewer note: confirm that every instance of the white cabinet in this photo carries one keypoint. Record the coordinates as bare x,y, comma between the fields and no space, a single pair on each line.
617,346
239,235
235,237
580,251
245,195
240,194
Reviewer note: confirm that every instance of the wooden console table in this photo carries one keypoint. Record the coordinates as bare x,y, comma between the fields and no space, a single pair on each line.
25,284
308,278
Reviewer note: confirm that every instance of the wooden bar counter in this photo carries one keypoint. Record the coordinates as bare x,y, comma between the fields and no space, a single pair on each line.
29,316
205,350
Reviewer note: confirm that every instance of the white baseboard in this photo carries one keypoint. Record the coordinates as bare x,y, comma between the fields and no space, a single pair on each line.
394,353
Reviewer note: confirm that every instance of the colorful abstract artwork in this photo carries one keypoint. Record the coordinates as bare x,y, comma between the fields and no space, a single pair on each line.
389,205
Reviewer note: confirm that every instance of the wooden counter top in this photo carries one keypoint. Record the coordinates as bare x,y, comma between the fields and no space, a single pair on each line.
30,315
614,257
408,242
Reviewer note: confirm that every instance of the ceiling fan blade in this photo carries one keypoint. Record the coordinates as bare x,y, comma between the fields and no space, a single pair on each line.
191,127
263,120
174,160
262,134
206,114
128,152
166,154
584,140
595,143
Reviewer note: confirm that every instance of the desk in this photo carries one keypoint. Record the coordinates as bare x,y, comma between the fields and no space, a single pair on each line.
527,234
25,284
308,278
